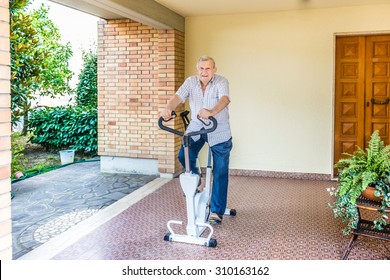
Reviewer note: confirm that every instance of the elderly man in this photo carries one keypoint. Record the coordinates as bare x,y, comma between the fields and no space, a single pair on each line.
208,95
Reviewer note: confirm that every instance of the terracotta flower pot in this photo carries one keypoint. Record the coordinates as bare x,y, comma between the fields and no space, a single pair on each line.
369,193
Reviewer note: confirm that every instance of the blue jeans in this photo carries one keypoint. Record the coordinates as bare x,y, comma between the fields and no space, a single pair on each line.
221,155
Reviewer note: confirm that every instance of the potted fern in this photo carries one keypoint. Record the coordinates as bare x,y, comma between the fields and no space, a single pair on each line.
358,172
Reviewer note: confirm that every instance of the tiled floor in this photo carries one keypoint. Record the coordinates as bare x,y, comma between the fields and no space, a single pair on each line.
277,219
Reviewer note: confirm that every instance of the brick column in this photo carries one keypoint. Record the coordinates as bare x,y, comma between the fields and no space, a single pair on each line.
171,76
5,135
139,68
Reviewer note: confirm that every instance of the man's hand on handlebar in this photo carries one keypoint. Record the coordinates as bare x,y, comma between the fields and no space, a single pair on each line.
204,114
166,114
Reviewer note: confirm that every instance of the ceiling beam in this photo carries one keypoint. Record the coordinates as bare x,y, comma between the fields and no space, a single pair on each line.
147,12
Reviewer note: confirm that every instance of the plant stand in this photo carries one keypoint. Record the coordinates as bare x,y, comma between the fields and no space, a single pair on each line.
366,228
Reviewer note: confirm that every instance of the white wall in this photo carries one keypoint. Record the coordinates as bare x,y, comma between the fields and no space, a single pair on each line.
281,71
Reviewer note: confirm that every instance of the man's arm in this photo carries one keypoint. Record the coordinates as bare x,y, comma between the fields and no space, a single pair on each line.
171,106
221,104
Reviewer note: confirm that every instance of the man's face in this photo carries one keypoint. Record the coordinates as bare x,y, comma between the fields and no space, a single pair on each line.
206,71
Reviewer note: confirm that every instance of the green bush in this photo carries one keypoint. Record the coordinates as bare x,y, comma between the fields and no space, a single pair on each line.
65,128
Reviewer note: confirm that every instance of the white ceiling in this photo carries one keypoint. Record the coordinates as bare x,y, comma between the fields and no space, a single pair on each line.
219,7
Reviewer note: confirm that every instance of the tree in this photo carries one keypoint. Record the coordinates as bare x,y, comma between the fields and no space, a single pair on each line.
86,91
39,62
24,58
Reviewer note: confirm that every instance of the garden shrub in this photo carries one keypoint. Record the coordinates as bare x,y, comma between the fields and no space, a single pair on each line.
62,127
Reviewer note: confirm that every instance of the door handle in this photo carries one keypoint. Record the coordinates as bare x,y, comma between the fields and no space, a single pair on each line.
387,100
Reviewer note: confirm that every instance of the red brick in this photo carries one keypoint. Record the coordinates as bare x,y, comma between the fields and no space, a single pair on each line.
5,143
5,115
5,172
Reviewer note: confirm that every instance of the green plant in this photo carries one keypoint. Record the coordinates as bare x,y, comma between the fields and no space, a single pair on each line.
65,127
17,149
382,189
358,171
86,91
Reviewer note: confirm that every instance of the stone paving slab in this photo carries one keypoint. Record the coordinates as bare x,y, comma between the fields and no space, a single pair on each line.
48,204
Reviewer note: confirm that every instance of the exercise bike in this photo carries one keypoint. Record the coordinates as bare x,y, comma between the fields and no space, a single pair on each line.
197,202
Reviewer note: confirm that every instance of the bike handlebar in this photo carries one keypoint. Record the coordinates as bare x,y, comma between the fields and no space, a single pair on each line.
194,133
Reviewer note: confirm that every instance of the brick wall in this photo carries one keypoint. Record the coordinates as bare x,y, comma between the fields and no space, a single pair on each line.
139,68
5,135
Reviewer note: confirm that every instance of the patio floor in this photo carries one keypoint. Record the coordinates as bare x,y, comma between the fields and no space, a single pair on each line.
277,219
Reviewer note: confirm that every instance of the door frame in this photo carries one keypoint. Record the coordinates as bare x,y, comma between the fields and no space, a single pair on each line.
335,35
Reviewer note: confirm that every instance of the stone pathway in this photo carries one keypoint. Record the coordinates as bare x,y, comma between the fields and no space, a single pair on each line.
48,204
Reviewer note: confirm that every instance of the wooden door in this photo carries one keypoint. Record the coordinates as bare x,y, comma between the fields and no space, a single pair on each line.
349,95
377,86
362,86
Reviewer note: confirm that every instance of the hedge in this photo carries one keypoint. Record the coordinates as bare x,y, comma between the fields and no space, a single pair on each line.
62,127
